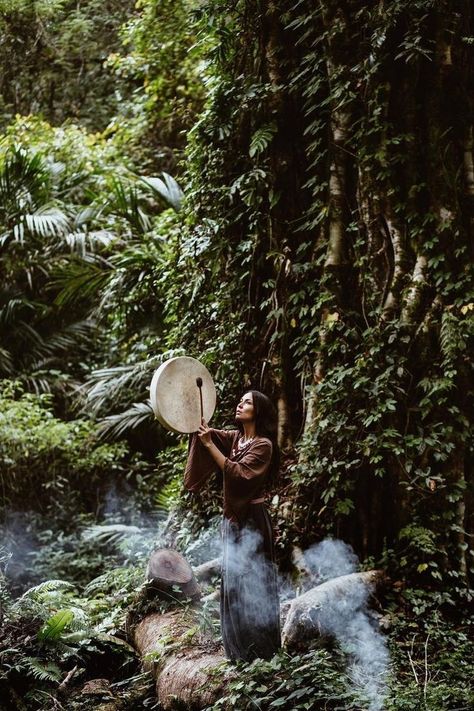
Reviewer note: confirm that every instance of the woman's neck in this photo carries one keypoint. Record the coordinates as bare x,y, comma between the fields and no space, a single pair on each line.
249,430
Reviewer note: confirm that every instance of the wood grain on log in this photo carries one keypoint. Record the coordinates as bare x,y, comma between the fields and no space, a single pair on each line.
167,568
182,659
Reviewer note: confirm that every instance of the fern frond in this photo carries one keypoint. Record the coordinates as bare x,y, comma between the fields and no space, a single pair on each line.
43,671
47,587
169,494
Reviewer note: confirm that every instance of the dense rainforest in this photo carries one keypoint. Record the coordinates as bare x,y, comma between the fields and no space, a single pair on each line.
283,190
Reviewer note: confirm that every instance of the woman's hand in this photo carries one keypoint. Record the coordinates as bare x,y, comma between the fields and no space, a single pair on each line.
204,433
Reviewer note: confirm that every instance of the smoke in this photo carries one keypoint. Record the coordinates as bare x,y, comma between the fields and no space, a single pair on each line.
207,545
330,559
336,605
250,611
343,613
19,540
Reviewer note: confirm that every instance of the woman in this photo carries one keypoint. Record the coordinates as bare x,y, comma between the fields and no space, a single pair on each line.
249,460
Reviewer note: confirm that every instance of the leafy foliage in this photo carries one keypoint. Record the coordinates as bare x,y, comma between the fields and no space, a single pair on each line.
50,463
319,248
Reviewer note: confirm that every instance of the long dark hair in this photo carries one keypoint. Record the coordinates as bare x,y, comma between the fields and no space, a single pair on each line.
266,425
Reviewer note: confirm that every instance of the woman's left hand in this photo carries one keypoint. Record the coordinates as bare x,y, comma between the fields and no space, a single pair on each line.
204,433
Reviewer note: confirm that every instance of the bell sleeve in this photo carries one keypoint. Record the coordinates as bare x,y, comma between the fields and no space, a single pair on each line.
200,464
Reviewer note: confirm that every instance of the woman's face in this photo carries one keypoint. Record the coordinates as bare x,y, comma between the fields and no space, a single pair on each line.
244,411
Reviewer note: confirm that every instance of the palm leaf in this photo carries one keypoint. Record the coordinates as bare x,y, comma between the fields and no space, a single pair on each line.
87,214
47,222
113,385
6,362
72,337
15,307
80,279
115,426
126,204
110,534
166,188
24,181
85,242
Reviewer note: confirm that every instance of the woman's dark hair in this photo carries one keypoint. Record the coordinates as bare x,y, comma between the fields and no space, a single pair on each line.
266,425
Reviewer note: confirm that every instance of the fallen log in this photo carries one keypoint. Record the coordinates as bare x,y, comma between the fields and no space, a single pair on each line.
190,666
317,611
183,659
205,571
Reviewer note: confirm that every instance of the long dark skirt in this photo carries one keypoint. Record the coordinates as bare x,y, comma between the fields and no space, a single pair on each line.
250,611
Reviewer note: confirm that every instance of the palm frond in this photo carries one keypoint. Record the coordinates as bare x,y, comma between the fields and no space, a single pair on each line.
109,385
85,242
15,307
166,188
80,279
71,337
115,426
47,221
87,214
24,181
126,204
109,534
6,362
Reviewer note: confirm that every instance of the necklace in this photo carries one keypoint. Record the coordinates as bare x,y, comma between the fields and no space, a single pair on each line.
244,441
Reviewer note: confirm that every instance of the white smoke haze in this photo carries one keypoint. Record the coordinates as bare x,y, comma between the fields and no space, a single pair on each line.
346,617
330,559
207,545
342,615
342,611
246,561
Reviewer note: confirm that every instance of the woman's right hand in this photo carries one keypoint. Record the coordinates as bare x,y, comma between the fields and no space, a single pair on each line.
204,433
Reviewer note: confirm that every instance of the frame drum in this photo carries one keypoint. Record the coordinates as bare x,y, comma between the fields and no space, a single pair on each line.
174,394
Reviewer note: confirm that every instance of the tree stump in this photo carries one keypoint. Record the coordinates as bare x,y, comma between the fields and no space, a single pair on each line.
167,569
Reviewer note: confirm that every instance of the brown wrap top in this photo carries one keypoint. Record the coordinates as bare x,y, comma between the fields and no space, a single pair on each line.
244,470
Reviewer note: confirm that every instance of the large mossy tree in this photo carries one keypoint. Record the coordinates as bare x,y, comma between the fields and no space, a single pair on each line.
331,209
323,254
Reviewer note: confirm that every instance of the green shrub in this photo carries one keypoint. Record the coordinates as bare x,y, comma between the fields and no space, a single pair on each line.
49,464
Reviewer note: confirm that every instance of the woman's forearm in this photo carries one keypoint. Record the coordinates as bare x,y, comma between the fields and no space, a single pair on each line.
216,454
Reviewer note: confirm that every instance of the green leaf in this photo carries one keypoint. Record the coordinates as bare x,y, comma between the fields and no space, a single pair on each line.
55,625
261,139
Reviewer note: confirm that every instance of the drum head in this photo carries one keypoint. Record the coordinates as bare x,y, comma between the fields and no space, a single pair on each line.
174,394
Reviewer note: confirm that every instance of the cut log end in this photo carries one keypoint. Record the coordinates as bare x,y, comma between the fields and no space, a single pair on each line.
167,569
